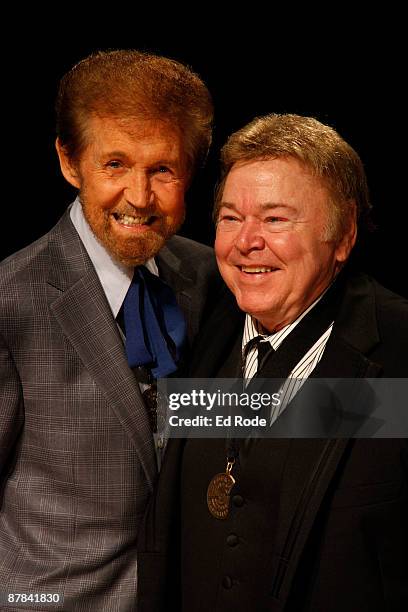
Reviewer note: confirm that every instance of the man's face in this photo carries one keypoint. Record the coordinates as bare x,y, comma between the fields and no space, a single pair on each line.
270,242
131,178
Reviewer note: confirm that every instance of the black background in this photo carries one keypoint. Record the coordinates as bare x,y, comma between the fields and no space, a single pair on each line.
351,81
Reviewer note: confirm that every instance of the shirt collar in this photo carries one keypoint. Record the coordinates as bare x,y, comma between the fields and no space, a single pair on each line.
252,328
114,276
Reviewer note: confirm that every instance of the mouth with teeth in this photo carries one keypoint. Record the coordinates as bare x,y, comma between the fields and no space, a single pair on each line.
256,269
134,221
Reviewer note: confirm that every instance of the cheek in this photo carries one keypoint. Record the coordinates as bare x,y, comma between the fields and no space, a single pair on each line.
313,263
102,194
223,245
171,201
287,247
217,248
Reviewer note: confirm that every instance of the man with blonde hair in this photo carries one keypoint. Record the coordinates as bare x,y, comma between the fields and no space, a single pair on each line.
313,522
91,315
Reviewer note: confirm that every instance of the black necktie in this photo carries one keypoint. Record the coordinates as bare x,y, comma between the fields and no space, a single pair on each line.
264,349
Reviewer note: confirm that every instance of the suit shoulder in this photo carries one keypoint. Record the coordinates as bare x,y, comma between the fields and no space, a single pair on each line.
23,262
391,315
392,309
60,248
194,259
181,246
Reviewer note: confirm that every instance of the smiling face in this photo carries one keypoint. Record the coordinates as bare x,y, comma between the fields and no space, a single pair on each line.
131,178
270,243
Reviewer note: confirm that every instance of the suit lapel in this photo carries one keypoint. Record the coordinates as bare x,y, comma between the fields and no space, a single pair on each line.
85,318
299,510
342,360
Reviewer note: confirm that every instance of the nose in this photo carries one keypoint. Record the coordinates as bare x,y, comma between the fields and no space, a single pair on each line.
250,238
138,191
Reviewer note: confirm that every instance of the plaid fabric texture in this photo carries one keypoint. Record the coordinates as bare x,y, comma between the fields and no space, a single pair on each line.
77,460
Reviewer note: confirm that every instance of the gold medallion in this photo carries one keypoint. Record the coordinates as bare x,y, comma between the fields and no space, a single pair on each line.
218,493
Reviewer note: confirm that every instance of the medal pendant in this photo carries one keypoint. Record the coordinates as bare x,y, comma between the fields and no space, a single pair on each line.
218,493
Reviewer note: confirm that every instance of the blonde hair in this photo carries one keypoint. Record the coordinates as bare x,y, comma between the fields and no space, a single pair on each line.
316,145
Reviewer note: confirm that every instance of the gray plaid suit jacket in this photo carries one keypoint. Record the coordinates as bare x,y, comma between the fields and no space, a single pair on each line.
77,460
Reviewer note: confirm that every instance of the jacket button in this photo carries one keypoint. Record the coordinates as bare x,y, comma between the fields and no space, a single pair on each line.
227,582
238,501
232,539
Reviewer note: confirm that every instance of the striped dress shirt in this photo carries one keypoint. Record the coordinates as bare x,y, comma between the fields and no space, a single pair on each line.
302,369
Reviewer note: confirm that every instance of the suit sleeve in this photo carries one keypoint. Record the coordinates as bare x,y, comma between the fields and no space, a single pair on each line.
11,406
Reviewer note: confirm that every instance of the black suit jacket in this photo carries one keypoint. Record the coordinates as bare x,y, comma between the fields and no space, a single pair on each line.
77,459
317,525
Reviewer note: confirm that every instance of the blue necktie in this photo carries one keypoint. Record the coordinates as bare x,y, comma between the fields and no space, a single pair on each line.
154,325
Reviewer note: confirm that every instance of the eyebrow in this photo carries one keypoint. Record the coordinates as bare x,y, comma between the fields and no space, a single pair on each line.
165,161
264,206
114,154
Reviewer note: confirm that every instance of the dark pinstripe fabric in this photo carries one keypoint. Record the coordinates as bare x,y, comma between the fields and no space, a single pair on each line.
76,454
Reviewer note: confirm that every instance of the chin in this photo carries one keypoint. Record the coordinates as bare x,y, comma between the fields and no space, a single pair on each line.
138,252
131,262
250,307
249,299
137,259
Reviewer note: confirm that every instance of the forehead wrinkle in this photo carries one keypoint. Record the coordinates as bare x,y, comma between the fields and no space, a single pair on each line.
128,129
273,205
228,205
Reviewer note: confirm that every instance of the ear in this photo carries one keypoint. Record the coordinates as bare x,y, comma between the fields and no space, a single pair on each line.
68,168
348,240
